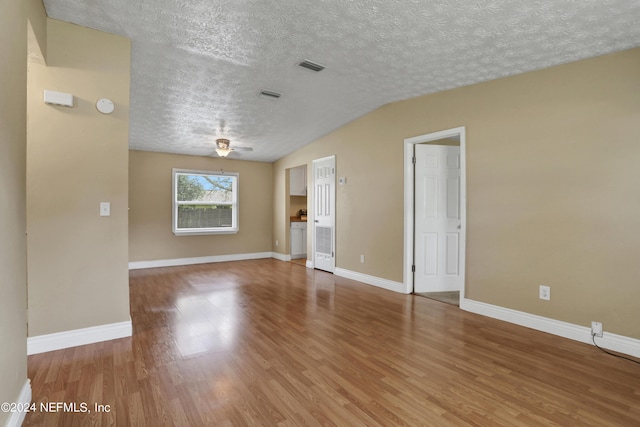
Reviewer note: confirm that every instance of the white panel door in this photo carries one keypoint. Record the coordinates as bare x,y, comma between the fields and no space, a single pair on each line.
437,218
324,197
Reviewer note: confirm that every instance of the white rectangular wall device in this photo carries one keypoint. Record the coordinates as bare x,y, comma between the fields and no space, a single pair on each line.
105,209
58,98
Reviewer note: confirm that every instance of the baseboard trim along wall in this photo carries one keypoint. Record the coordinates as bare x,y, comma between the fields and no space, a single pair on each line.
370,280
610,341
281,257
309,264
23,400
135,265
76,337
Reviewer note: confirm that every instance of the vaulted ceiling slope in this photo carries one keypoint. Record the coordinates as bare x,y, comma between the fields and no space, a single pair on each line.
198,65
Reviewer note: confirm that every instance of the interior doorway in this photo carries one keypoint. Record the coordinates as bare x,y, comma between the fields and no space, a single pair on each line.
296,212
435,215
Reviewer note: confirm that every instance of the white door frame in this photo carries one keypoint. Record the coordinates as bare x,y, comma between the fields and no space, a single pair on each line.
409,203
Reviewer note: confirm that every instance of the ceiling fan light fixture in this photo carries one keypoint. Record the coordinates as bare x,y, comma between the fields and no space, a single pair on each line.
223,152
223,143
223,149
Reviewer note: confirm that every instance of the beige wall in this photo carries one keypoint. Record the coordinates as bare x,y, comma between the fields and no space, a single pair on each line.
37,31
296,203
280,223
552,181
77,158
150,233
13,251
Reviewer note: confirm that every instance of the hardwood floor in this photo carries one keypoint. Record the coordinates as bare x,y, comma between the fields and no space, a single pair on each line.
299,261
450,297
266,342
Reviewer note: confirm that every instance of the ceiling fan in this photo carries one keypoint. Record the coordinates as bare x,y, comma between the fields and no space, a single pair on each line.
223,147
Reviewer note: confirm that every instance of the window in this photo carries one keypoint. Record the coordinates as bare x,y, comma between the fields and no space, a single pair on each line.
204,202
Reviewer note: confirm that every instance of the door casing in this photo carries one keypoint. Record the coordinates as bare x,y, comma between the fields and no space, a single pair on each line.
409,203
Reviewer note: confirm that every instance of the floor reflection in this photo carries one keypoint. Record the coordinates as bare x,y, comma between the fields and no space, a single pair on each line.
207,322
322,295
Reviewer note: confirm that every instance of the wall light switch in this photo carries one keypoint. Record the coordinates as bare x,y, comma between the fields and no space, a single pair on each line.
105,209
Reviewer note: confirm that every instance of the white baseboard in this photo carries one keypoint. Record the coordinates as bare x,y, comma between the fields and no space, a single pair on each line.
619,343
281,257
370,280
76,337
135,265
309,264
24,399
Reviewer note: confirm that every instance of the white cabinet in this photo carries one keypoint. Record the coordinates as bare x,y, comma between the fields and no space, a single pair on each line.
298,240
298,181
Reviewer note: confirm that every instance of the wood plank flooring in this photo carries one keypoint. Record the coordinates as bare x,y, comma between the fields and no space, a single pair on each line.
450,297
265,342
299,261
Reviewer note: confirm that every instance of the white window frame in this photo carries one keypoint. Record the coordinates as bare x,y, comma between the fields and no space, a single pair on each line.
212,230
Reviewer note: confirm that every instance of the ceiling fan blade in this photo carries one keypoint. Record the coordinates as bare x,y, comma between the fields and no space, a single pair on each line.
242,148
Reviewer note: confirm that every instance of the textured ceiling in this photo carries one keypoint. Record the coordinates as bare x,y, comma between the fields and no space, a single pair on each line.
198,65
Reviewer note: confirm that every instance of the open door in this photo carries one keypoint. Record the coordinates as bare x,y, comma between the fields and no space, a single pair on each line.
324,213
437,218
440,250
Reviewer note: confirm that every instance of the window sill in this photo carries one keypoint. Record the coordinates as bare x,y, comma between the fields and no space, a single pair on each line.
204,232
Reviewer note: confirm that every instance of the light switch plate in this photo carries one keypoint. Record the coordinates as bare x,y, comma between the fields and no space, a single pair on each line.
105,209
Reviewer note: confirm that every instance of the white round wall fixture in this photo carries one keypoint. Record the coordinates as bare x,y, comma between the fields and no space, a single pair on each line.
105,106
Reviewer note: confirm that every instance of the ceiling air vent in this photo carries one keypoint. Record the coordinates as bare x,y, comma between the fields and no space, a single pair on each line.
269,94
309,65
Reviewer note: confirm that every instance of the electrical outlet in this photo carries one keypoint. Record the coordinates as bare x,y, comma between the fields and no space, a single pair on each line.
362,258
276,243
545,292
596,329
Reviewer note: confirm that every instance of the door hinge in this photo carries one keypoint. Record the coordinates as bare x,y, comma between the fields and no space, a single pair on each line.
413,268
413,160
332,255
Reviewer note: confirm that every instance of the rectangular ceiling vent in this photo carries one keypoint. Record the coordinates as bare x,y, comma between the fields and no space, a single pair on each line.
269,94
310,65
